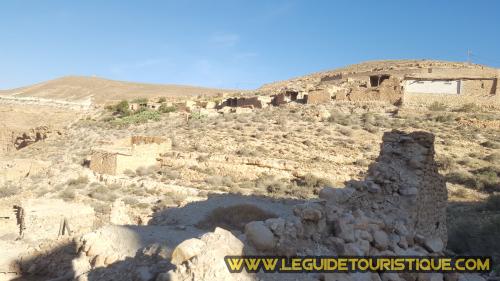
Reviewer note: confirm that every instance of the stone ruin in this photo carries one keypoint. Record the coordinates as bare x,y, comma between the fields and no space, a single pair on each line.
12,139
128,154
38,219
405,181
398,209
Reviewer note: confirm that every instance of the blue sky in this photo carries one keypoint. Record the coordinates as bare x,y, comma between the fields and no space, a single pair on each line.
233,43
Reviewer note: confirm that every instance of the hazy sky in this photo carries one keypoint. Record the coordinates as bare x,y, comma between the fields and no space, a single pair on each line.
233,44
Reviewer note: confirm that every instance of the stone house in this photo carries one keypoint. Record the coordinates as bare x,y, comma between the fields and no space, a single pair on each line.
128,154
153,105
419,83
318,97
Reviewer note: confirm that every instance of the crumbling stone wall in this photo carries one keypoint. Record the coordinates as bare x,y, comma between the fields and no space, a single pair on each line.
317,97
478,87
11,140
38,219
103,162
390,90
6,141
404,184
129,154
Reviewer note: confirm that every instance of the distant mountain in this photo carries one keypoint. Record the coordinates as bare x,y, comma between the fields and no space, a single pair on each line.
77,88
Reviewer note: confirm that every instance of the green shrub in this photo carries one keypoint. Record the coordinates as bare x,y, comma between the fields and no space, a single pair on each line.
138,118
196,116
166,109
162,100
121,108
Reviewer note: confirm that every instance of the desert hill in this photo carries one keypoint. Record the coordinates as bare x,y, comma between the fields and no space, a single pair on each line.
381,65
78,88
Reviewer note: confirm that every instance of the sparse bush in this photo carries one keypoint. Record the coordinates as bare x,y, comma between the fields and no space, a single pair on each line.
362,162
488,178
491,144
463,178
196,116
171,199
474,236
146,171
244,151
341,118
121,108
103,194
166,109
314,181
162,100
219,181
346,132
270,184
234,217
371,129
445,162
68,194
469,107
442,118
129,173
437,106
493,157
130,201
170,174
83,180
9,190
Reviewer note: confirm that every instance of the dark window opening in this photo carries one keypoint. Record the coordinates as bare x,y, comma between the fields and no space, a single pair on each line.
376,80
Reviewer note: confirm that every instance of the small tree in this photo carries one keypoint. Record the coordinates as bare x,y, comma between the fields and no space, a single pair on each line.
122,108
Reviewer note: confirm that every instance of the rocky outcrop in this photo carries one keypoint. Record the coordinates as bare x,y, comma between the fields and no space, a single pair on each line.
14,139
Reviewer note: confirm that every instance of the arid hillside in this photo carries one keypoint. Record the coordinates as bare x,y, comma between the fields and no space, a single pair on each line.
78,88
142,186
